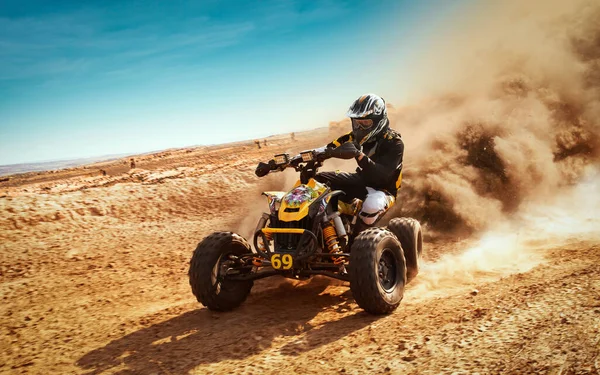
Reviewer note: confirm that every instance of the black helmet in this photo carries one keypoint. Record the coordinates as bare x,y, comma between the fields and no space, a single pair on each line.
369,118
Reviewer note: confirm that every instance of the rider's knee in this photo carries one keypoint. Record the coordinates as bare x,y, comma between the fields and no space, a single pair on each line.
367,219
375,205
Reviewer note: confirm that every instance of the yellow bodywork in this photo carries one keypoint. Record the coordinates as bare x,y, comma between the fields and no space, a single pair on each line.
399,181
310,192
283,230
313,190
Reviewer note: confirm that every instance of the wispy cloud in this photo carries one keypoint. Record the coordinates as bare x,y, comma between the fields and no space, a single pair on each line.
94,41
287,15
83,43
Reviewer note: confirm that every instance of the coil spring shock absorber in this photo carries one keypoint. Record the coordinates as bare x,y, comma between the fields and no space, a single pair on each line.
332,243
256,260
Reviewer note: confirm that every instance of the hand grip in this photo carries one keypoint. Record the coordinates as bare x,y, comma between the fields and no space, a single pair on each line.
262,169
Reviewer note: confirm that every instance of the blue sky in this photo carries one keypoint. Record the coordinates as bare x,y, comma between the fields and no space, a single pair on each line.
81,79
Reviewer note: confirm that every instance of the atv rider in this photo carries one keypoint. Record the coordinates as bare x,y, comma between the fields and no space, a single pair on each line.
378,151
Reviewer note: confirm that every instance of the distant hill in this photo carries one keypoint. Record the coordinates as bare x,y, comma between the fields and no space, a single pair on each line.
70,163
52,165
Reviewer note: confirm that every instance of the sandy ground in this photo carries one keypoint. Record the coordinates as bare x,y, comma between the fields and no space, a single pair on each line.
93,279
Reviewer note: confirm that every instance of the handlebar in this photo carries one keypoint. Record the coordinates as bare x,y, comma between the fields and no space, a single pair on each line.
307,162
301,162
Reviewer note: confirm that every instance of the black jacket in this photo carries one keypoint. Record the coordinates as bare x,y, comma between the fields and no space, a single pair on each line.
381,168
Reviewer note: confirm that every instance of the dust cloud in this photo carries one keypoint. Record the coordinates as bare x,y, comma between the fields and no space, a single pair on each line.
519,244
515,117
507,152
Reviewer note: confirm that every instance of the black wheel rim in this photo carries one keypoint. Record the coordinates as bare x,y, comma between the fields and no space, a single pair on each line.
220,268
387,270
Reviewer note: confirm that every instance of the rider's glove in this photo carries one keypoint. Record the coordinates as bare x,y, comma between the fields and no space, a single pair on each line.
327,153
347,150
263,168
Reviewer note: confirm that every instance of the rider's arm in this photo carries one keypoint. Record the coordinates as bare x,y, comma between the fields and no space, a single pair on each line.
389,161
340,141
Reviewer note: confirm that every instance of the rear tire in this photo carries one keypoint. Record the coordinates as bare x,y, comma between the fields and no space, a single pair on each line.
205,275
409,233
377,271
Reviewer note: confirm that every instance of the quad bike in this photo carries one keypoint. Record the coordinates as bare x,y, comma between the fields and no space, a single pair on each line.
309,231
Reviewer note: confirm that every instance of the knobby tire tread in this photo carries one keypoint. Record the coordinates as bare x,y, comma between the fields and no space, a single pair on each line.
364,282
206,254
407,231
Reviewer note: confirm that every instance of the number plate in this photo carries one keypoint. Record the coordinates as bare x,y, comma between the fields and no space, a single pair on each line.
282,261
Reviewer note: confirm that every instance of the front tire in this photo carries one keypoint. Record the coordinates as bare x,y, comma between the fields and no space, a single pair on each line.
377,271
208,284
408,231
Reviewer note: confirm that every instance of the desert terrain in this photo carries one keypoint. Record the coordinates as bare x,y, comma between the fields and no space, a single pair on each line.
94,280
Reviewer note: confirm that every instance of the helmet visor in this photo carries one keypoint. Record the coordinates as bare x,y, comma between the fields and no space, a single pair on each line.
362,123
